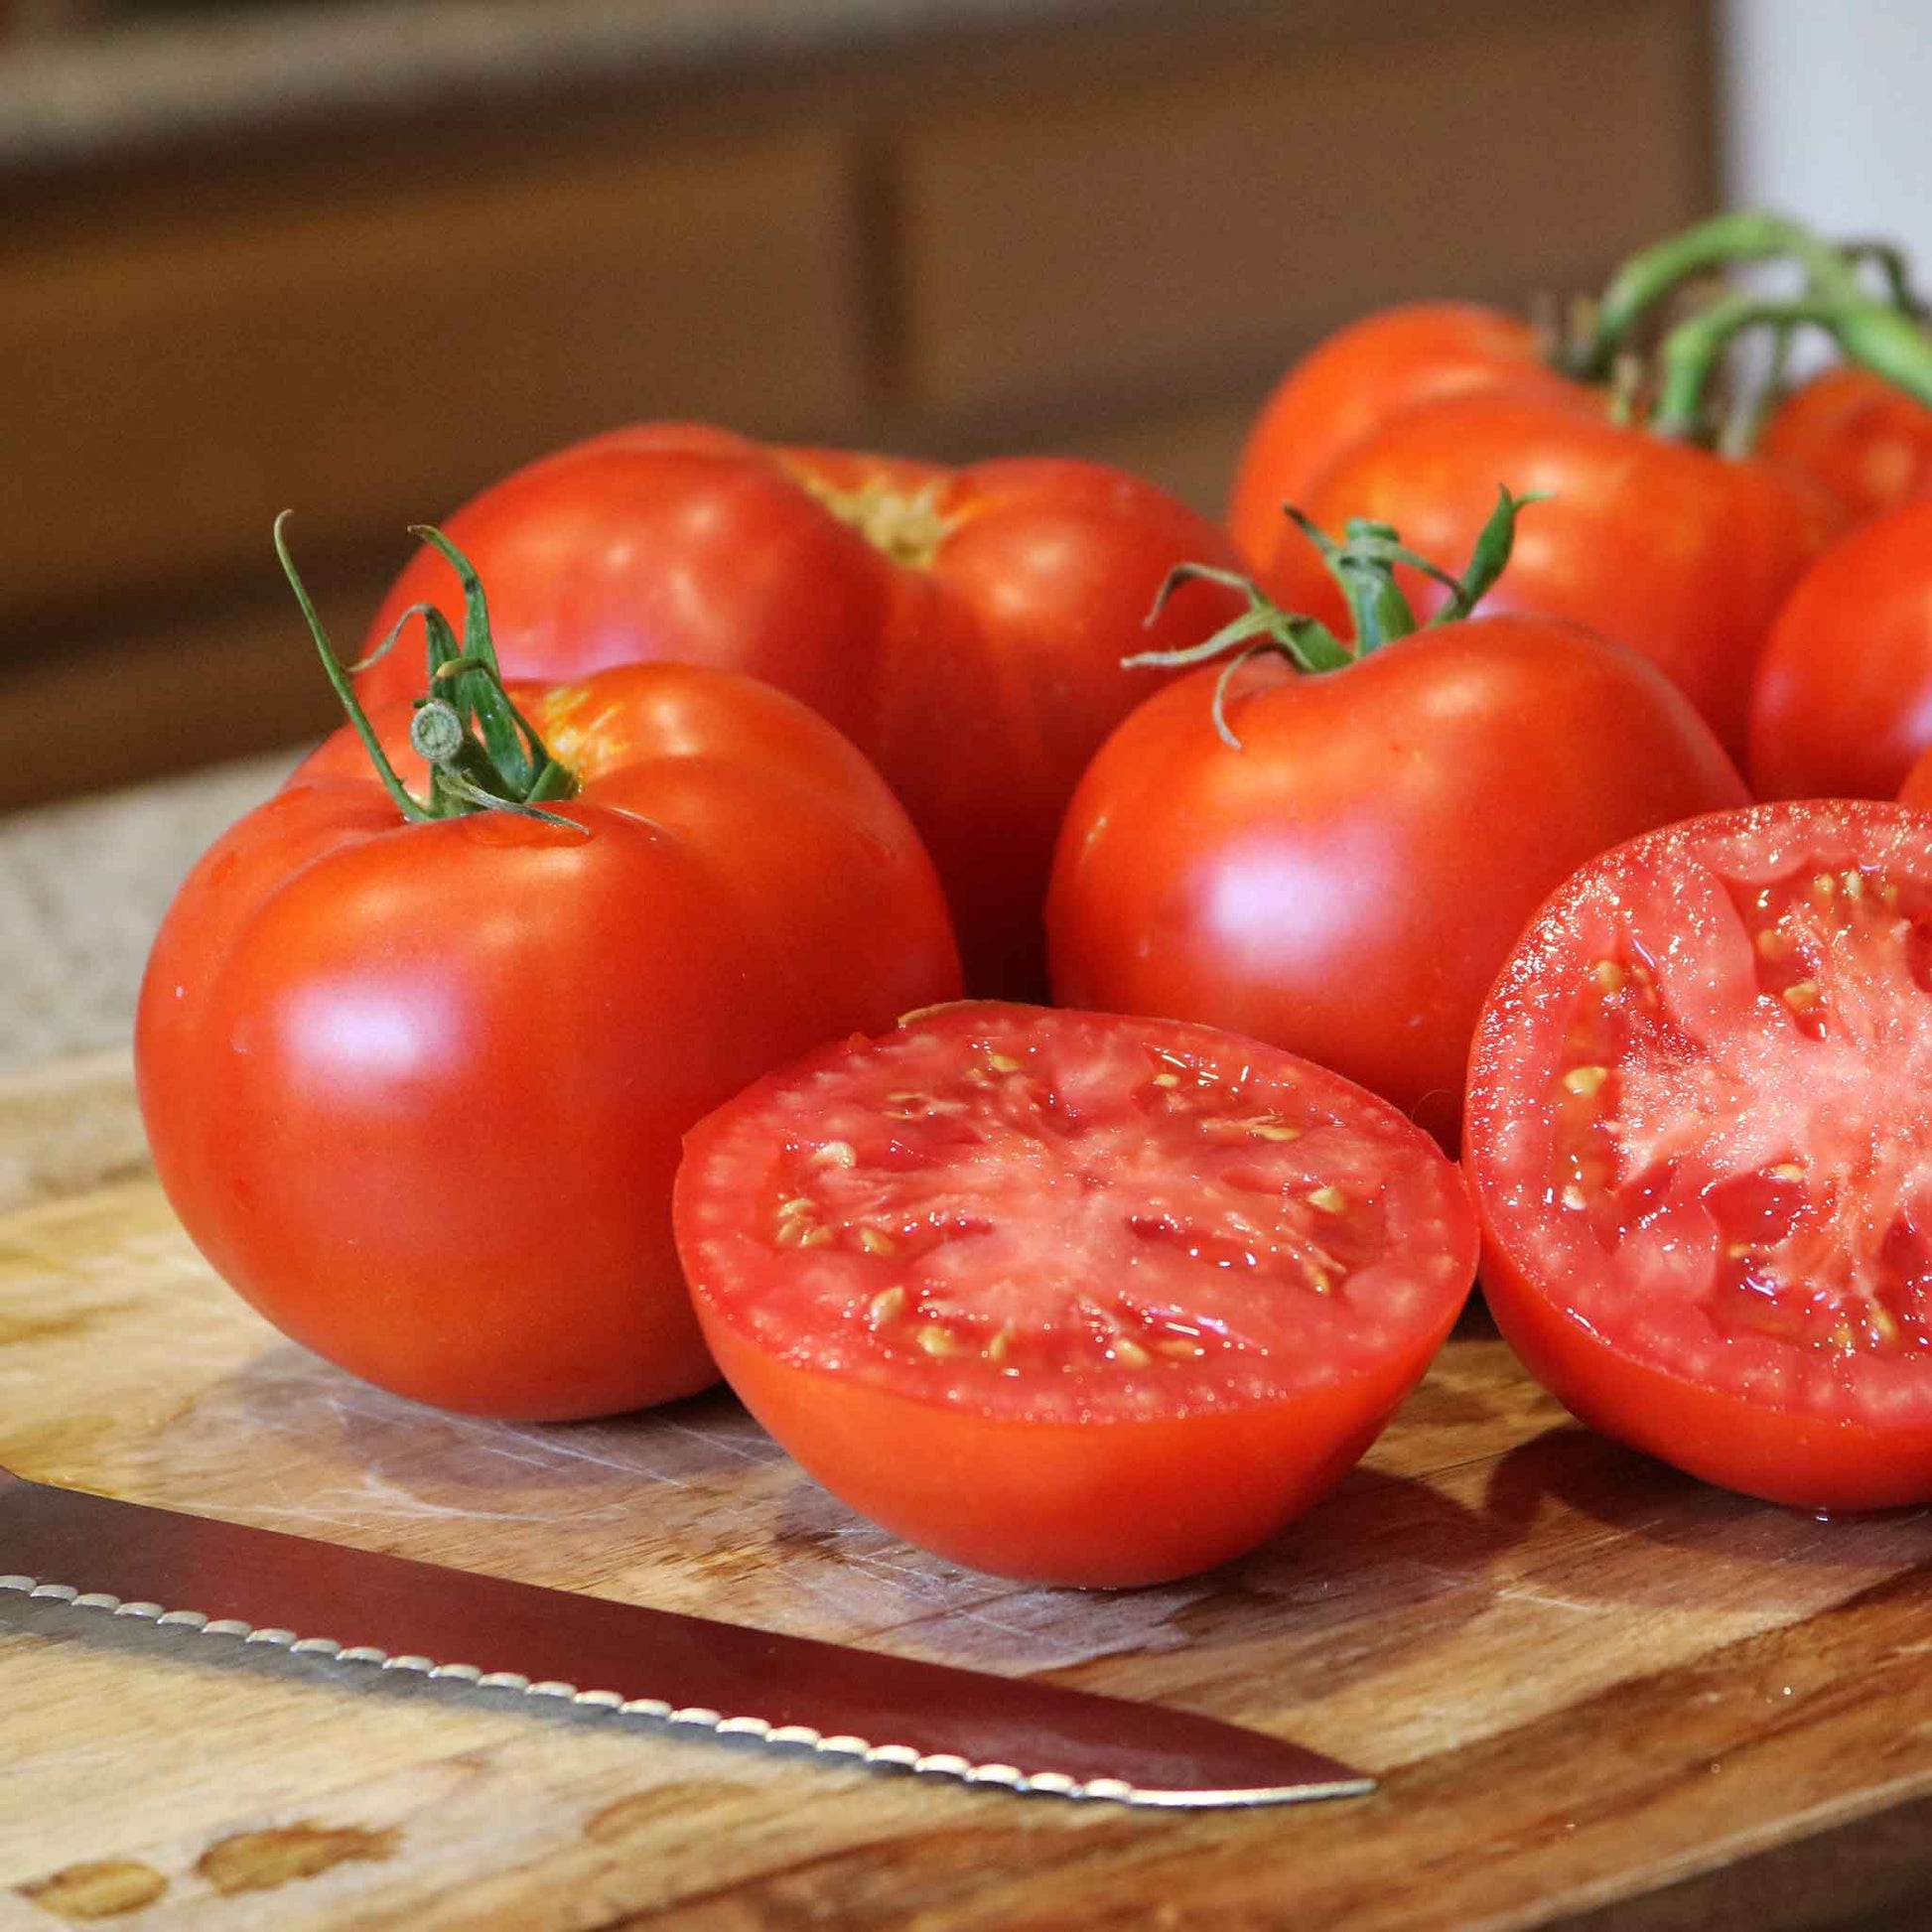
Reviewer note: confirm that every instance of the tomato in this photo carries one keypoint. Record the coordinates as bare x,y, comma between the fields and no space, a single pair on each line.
1070,1298
416,1089
1841,704
963,627
1863,439
1702,1148
1354,382
1682,555
1346,880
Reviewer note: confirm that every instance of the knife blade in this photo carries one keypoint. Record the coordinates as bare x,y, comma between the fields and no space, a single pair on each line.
325,1600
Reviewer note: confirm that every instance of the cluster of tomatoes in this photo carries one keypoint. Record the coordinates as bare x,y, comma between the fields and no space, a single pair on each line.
585,1019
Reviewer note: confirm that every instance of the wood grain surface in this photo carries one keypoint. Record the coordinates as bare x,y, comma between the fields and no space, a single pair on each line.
1597,1693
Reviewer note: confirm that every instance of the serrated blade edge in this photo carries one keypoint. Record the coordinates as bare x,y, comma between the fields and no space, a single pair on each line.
594,1652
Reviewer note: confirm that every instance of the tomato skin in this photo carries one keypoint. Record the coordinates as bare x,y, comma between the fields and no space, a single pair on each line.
1862,438
417,1090
1091,1504
963,627
1063,1471
1842,705
1682,556
1852,1435
1805,1461
1346,884
1355,381
1917,789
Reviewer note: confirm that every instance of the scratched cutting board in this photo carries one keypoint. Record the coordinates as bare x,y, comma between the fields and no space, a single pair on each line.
1597,1693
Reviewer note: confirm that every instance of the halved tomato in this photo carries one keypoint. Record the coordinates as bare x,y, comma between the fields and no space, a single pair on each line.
1699,1129
1067,1297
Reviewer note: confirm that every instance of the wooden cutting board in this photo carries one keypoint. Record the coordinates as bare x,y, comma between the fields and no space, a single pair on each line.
1597,1693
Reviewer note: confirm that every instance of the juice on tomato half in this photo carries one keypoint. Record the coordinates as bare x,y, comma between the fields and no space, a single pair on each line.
1699,1129
1067,1297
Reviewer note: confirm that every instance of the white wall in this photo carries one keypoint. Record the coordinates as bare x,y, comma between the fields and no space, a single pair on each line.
1827,108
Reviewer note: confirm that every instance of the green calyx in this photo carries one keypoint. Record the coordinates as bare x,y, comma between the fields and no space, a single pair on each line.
484,755
1363,563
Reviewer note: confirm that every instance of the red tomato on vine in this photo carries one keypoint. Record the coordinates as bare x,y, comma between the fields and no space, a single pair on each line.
1332,846
415,1064
1862,438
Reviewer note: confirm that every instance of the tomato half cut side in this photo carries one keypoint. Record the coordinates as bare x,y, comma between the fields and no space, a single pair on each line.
1700,1130
1065,1297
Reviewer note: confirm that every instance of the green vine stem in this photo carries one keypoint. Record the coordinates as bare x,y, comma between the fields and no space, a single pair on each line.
1363,562
484,755
1872,332
1741,236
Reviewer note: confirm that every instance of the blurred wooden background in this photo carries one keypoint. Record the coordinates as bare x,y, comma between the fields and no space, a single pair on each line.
1104,234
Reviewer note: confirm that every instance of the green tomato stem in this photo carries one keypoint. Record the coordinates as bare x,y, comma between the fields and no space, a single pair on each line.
484,753
407,802
1870,332
1646,278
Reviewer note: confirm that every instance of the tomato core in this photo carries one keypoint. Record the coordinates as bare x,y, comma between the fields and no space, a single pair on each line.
906,524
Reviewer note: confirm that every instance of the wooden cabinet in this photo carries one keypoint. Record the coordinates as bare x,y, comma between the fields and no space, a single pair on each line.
1104,236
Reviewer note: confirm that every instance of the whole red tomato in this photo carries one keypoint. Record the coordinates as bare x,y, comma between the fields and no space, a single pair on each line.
1699,1137
1842,706
1343,877
1682,555
416,1084
1354,382
964,628
1861,437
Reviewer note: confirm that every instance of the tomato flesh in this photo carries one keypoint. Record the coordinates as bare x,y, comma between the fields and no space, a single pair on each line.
1095,1249
1700,1131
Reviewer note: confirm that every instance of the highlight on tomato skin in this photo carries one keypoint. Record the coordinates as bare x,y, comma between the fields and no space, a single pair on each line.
1700,1135
1065,1297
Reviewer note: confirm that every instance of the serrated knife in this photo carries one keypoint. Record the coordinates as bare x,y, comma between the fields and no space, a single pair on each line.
263,1587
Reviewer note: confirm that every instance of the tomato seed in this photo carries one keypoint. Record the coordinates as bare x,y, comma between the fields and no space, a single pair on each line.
1167,1079
1788,1170
886,1305
1329,1200
1128,1352
1802,995
1586,1081
936,1341
996,1350
1000,1064
1572,1197
1608,975
875,1241
836,1153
